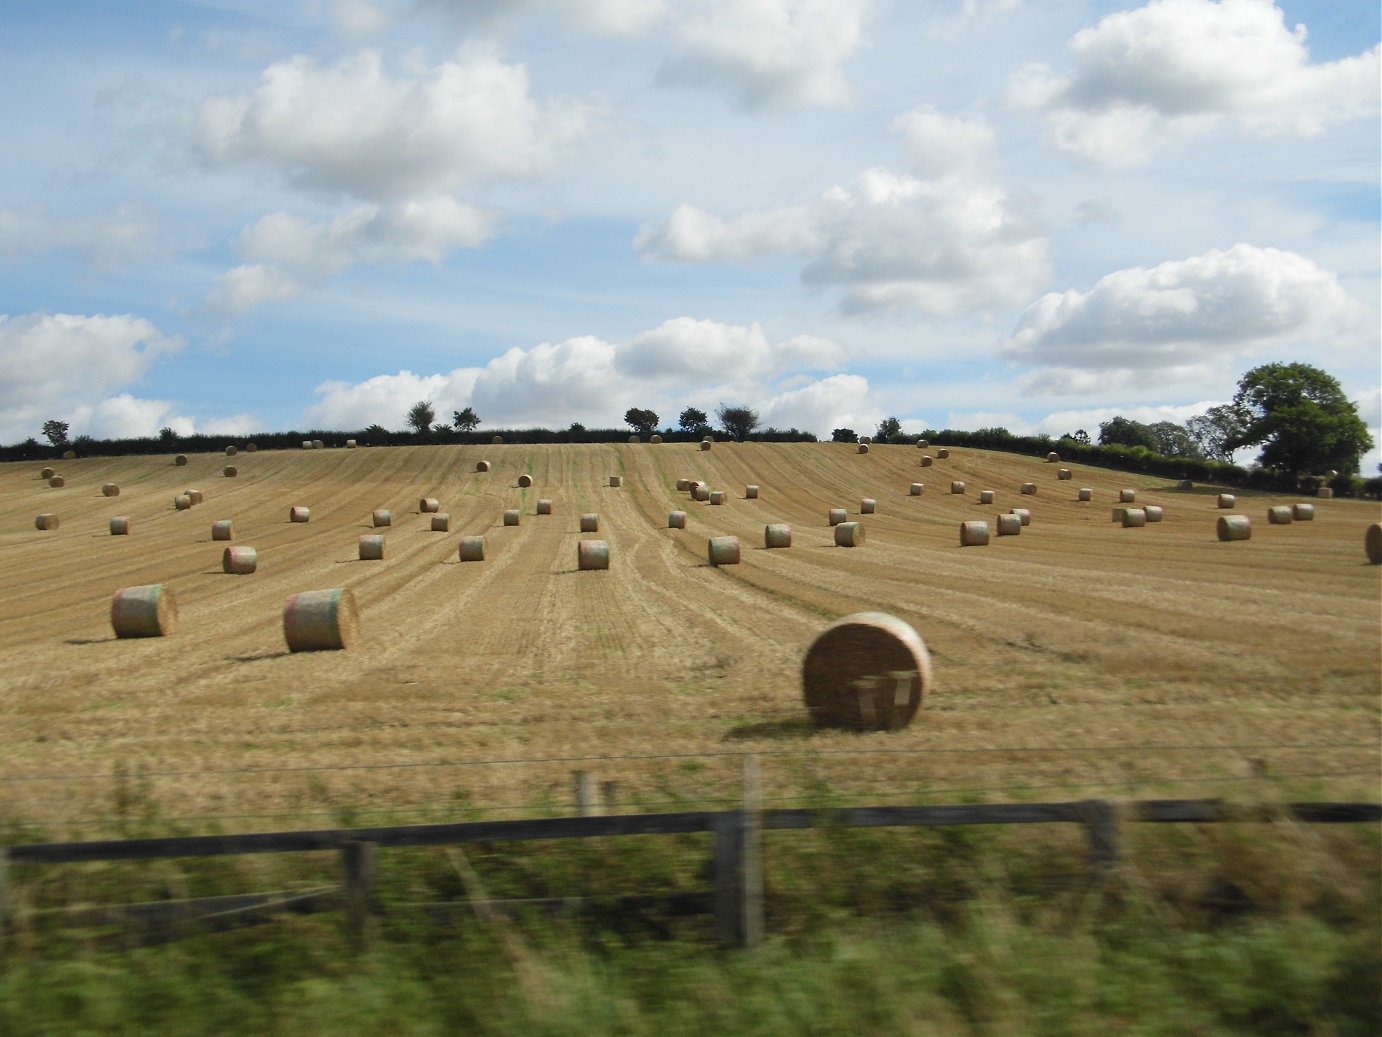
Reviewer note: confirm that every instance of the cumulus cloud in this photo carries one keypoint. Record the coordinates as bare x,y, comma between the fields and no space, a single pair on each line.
891,241
1182,319
128,232
57,363
602,17
682,361
284,252
353,127
940,145
839,401
1173,69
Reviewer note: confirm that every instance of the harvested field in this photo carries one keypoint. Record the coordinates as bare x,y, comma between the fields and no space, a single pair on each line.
1075,660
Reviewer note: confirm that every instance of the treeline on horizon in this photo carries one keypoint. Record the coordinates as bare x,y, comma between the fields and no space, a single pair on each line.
1127,458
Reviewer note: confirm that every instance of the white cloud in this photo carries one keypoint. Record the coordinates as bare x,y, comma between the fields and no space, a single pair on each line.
355,128
284,252
940,145
55,364
687,348
385,399
1173,68
129,232
839,401
1182,320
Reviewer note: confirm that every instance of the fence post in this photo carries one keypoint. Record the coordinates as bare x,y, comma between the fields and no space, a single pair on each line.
357,878
1105,837
587,794
738,867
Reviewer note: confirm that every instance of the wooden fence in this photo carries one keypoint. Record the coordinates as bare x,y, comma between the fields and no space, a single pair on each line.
736,894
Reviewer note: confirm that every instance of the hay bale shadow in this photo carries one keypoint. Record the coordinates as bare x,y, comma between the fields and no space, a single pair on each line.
780,730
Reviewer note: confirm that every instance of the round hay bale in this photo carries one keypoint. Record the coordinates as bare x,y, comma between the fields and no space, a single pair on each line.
866,672
1303,512
1127,496
1029,488
524,481
544,506
230,471
497,440
865,440
590,522
849,534
57,482
705,444
1053,458
1153,512
718,496
1085,493
318,444
723,550
927,461
297,513
482,466
239,561
428,505
957,487
381,517
751,492
1008,525
1280,515
616,481
307,444
472,549
700,491
1117,514
1064,474
683,484
868,506
837,515
511,517
350,444
633,439
1134,518
110,489
231,451
250,448
120,526
1234,527
1185,484
923,444
180,460
46,474
69,455
917,489
371,547
182,502
676,520
1024,515
656,441
942,453
592,554
974,533
147,611
1325,492
316,621
777,534
708,439
1372,543
985,496
222,529
46,521
863,448
195,495
441,522
1226,500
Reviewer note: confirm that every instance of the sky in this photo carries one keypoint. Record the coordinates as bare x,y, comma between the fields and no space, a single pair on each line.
231,216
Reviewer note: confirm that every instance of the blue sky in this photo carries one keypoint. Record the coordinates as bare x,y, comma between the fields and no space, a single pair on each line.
249,215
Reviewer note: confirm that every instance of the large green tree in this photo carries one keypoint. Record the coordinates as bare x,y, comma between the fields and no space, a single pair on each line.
1122,431
420,416
1301,419
737,421
641,420
1213,430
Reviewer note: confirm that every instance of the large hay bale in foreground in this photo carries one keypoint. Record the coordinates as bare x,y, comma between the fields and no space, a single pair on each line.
46,521
239,561
849,534
592,554
974,533
723,550
146,611
371,547
777,535
866,672
1234,527
318,621
1372,543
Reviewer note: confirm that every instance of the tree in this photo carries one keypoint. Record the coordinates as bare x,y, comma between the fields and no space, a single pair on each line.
1215,428
887,429
693,422
465,420
1173,440
641,421
1126,432
166,434
1301,419
737,421
420,416
56,431
1078,436
844,435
